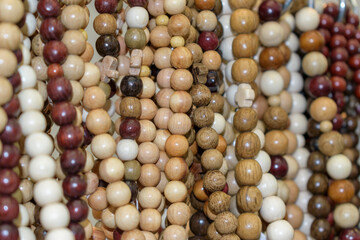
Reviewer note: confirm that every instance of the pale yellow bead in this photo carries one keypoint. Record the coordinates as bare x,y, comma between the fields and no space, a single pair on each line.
145,71
162,20
326,126
177,41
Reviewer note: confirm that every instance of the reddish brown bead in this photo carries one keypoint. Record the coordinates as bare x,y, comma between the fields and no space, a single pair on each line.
106,6
208,41
12,108
78,210
54,71
8,231
74,186
10,156
63,113
51,29
12,132
77,230
9,181
130,128
9,208
59,89
70,136
49,8
55,52
73,161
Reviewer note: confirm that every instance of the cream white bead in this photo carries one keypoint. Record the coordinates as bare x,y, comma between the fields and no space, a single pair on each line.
338,167
261,136
293,166
301,155
302,200
273,209
39,144
225,22
271,83
219,123
280,230
29,27
32,121
307,19
60,234
173,7
54,215
26,55
230,94
206,21
302,178
23,216
298,123
296,82
226,49
271,34
267,185
292,42
47,191
137,17
26,233
30,99
42,167
226,9
127,149
28,76
27,42
300,140
306,224
290,19
264,160
30,5
346,215
294,63
228,69
298,103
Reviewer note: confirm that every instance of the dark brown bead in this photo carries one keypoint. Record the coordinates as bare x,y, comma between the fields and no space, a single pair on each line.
70,137
12,132
319,206
203,117
51,29
78,210
74,186
316,162
318,183
59,89
131,86
49,8
201,95
245,119
271,58
107,45
55,52
216,103
73,161
275,118
320,229
63,113
196,203
199,224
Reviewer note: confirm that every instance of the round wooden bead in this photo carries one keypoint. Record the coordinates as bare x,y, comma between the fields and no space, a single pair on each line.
175,232
294,215
103,146
331,143
199,224
307,19
176,168
98,121
341,191
212,233
12,11
130,107
94,97
346,215
271,58
135,38
214,180
180,102
311,41
179,25
175,191
203,117
181,80
219,202
276,142
201,95
271,34
179,123
318,183
244,70
247,145
207,138
272,209
181,57
245,45
196,51
226,223
150,220
275,118
178,213
249,226
320,229
118,194
279,229
338,166
176,146
6,90
159,36
104,24
127,217
74,17
249,199
322,109
319,206
111,170
74,41
248,172
8,63
212,159
244,21
10,36
149,175
314,63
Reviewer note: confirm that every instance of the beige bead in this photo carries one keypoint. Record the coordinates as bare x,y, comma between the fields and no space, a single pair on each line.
175,191
111,170
118,194
175,232
8,63
127,217
150,220
10,36
103,146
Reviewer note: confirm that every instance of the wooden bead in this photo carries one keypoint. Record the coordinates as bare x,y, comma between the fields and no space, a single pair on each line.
248,172
320,229
275,118
175,191
245,119
104,24
294,215
179,123
199,190
219,202
244,70
130,107
149,175
276,143
98,121
247,145
127,217
176,168
242,4
159,37
175,232
162,58
11,11
181,57
181,80
319,206
8,63
244,21
311,41
200,94
118,194
226,223
205,4
179,25
150,220
318,183
97,200
314,63
180,102
207,138
212,159
249,226
111,170
322,109
245,45
271,58
176,146
196,51
10,36
203,117
178,213
341,191
132,170
249,199
214,181
135,38
212,60
331,143
212,233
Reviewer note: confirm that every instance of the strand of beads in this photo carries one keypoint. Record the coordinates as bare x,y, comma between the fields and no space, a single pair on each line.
11,13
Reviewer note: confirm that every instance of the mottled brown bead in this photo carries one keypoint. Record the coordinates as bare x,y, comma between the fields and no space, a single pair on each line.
249,199
276,142
341,191
181,57
245,45
331,143
216,102
219,202
212,159
212,233
323,108
207,138
275,118
271,58
203,117
245,119
319,206
249,226
226,223
320,229
179,25
214,181
318,183
247,145
130,107
196,51
248,172
316,162
311,41
244,70
105,24
200,94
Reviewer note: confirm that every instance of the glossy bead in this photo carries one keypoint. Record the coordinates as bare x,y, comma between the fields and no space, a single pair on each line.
208,41
135,38
319,206
51,29
106,6
77,230
339,69
341,191
12,132
349,234
318,183
131,86
74,186
70,136
54,71
9,181
316,162
107,45
63,113
10,156
247,145
8,231
59,89
9,208
323,108
78,210
244,21
72,161
130,128
199,224
269,10
249,226
49,8
55,52
279,166
249,199
320,229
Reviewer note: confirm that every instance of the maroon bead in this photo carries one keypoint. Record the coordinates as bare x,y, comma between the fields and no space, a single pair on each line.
9,208
208,41
15,81
137,3
74,186
88,136
49,8
349,31
117,234
54,71
73,161
325,50
326,34
18,55
8,231
353,46
318,86
339,69
338,83
339,54
78,210
130,128
77,230
357,35
357,93
338,40
70,137
12,132
59,89
226,188
51,29
112,85
9,181
269,10
10,156
353,19
326,21
279,166
354,62
350,234
12,108
106,6
63,113
55,52
338,28
356,76
332,9
339,99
